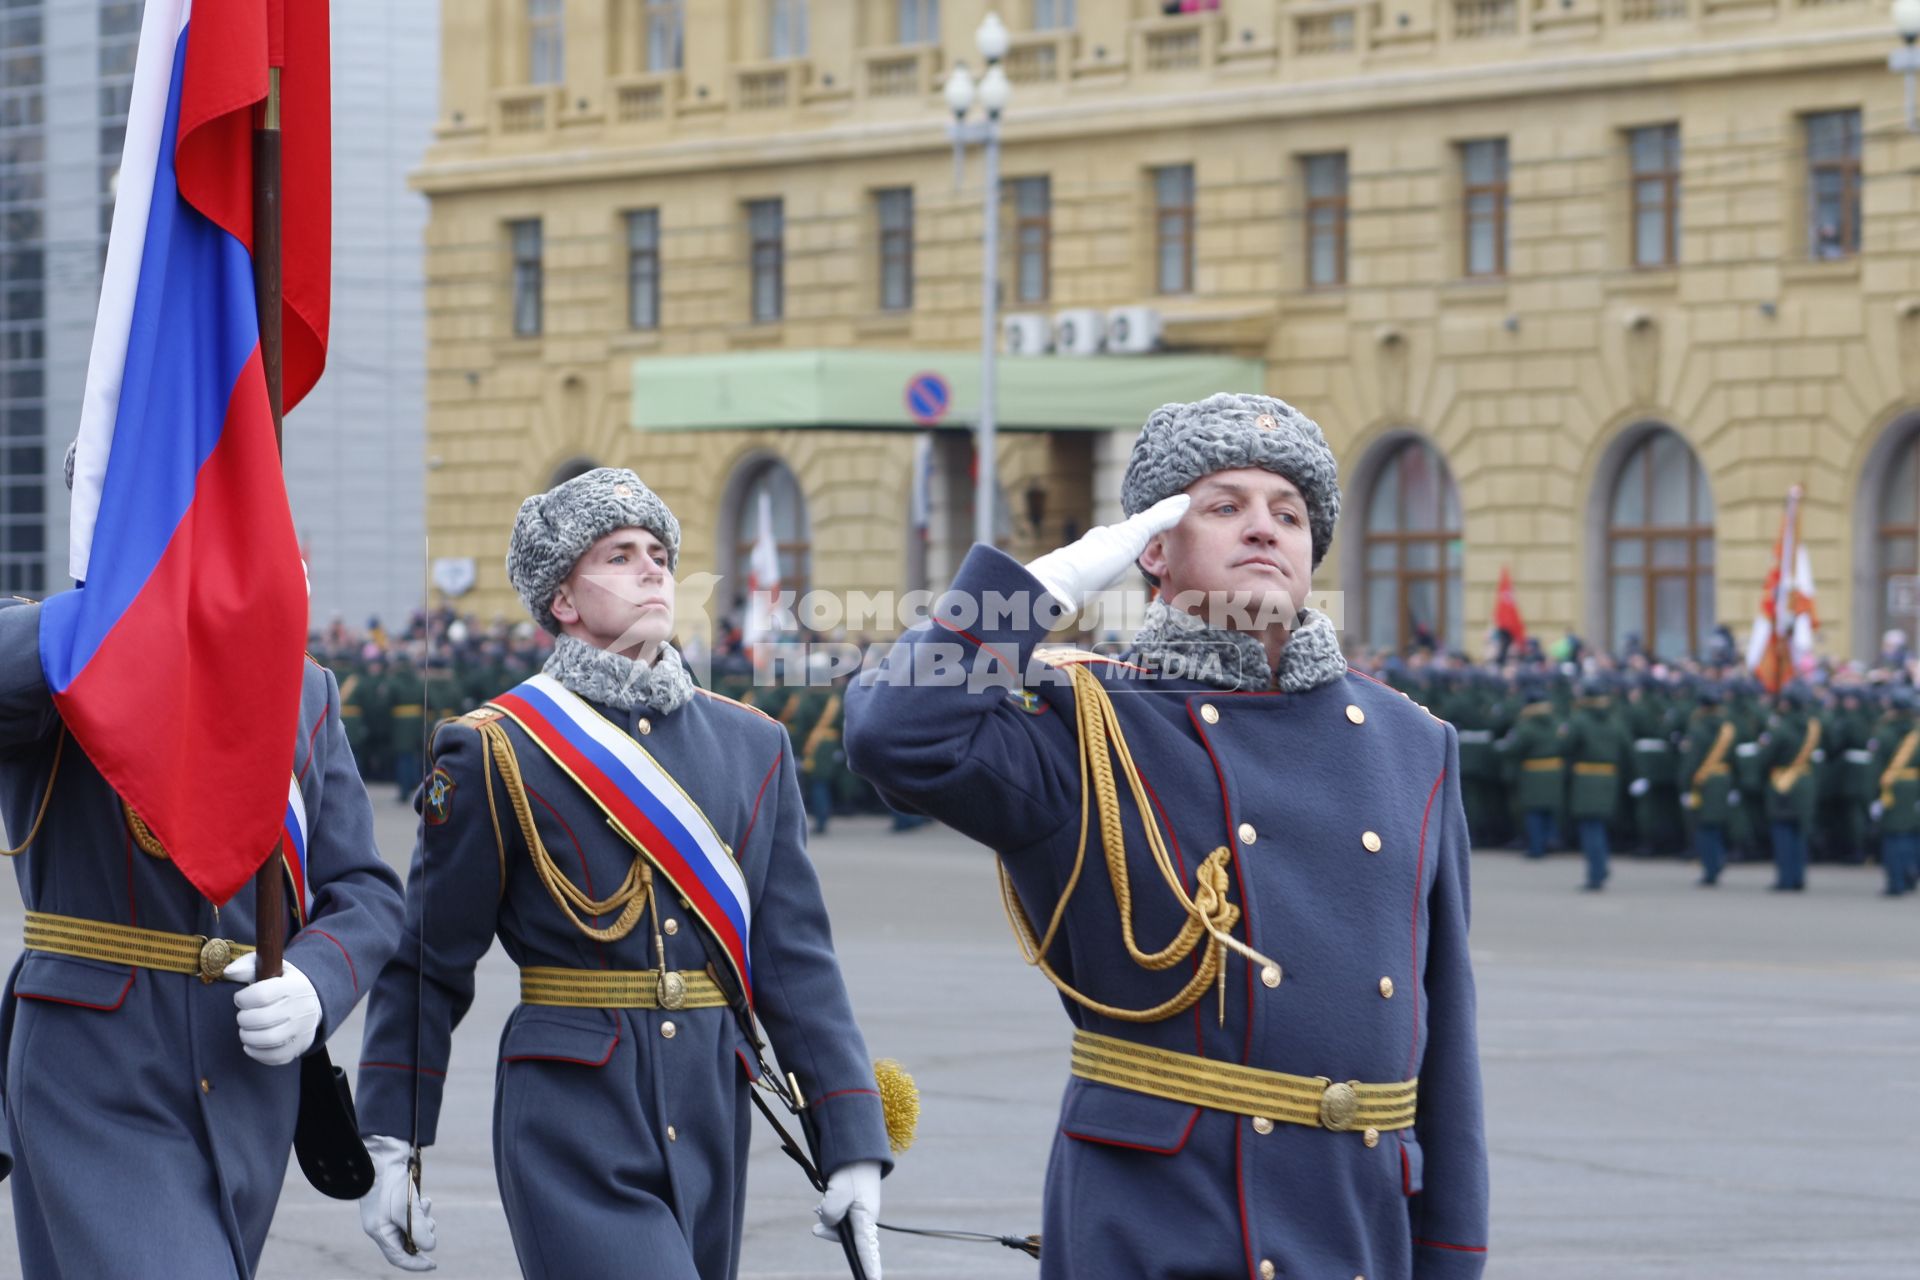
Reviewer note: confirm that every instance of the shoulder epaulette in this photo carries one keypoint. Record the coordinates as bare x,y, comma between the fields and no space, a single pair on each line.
1390,689
735,702
1066,655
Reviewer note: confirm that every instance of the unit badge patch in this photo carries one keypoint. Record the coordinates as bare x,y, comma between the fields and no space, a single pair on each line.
437,800
1027,700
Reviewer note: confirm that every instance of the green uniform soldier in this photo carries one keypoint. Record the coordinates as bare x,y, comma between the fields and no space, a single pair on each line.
1706,776
1897,804
1789,752
1535,750
1595,743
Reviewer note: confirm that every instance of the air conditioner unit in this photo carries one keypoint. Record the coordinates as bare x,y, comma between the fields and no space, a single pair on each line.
1133,330
1079,332
1026,335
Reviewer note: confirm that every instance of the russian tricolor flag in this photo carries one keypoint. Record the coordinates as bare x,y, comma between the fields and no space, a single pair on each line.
177,664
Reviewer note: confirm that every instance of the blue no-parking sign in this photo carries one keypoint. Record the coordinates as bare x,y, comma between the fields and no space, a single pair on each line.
928,398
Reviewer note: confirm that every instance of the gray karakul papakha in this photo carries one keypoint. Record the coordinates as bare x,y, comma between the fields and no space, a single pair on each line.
1227,430
555,528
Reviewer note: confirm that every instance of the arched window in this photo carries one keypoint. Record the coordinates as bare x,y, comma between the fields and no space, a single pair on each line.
1897,534
787,510
1660,550
1413,551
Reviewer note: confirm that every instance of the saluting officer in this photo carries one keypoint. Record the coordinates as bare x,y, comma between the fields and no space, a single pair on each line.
1290,1086
638,846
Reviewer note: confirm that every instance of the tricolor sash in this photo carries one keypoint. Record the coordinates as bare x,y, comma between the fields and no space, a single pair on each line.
644,804
294,826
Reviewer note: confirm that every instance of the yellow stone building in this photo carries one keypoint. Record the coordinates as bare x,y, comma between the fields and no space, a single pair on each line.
1577,288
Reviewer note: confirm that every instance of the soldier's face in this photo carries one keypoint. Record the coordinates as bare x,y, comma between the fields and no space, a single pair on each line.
619,595
1245,536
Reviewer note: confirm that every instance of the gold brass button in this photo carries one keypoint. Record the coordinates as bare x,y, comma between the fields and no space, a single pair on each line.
206,1085
1338,1105
667,1030
1386,988
1370,840
645,726
1247,833
1262,1125
1371,1137
1209,713
1270,976
1267,1271
673,1134
1355,714
670,926
215,955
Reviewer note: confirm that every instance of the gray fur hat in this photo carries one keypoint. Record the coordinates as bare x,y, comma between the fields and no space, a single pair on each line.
555,528
1182,442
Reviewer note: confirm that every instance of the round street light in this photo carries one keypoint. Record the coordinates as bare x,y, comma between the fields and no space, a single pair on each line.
994,89
991,38
959,88
1906,19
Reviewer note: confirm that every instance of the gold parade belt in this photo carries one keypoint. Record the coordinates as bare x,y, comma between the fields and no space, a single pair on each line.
203,957
1314,1101
1541,764
1594,768
620,988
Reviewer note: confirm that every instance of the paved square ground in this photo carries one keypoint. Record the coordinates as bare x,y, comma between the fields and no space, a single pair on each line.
1710,1084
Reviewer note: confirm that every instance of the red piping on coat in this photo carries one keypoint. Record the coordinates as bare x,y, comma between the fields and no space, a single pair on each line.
1419,876
1140,1146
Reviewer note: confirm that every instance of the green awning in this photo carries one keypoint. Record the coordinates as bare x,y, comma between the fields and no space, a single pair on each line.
864,388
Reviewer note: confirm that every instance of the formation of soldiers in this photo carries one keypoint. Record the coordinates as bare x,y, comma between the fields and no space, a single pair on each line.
1706,764
393,690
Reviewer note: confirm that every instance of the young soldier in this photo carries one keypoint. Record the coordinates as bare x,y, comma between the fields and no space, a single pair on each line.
638,846
150,1134
1291,1087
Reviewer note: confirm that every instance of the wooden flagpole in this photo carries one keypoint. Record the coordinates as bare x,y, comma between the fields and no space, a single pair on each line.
269,885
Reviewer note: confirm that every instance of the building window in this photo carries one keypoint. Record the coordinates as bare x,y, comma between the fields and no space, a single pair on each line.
1054,15
1326,219
766,245
894,210
1483,171
524,237
1660,550
1032,239
770,482
1413,586
1833,184
1654,154
546,42
1173,229
918,21
1898,533
786,29
643,269
666,34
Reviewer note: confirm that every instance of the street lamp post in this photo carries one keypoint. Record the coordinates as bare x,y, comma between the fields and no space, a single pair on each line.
1906,59
991,91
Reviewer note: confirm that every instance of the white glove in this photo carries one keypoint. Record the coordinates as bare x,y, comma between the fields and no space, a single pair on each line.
278,1016
1733,798
1876,811
1639,787
1686,799
853,1192
1075,572
1819,755
383,1210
